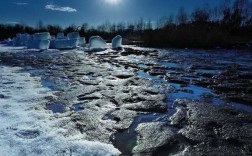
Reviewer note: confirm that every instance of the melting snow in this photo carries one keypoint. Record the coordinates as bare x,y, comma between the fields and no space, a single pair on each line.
28,129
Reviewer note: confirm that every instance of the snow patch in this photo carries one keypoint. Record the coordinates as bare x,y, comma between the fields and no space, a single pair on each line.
28,129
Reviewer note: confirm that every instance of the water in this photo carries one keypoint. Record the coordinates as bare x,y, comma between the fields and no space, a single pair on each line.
125,140
56,107
78,107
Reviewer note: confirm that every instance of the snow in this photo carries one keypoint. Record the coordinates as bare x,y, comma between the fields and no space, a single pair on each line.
97,43
38,44
117,42
73,35
64,44
42,36
28,129
6,48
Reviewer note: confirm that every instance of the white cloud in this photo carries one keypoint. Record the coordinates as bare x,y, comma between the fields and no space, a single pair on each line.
12,22
20,3
59,8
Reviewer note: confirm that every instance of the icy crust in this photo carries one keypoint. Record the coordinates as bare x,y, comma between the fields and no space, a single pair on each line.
27,129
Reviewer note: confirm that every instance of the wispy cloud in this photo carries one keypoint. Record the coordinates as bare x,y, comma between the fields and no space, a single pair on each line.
12,22
20,3
59,8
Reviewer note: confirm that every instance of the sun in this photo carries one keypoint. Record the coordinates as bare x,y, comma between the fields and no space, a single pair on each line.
113,2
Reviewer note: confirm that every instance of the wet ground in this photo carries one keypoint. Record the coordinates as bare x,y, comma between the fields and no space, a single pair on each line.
150,101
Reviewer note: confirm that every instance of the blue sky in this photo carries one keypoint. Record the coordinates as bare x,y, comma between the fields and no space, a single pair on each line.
67,12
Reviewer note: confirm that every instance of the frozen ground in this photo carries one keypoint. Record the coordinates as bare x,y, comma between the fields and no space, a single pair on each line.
144,101
28,129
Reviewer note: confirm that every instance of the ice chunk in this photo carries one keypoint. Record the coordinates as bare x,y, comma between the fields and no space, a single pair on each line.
82,41
97,43
64,44
117,42
73,35
17,41
60,36
42,36
53,37
38,44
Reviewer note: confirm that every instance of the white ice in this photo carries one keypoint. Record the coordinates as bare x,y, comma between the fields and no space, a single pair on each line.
97,43
117,42
73,35
28,129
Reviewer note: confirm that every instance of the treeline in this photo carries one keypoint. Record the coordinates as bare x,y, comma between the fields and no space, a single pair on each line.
227,25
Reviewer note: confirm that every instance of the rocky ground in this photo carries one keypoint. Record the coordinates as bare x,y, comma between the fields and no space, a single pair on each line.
131,98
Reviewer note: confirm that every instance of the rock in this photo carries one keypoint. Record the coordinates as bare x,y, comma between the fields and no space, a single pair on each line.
124,118
151,137
179,116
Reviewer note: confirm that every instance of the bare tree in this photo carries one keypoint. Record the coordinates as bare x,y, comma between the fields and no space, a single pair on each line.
182,16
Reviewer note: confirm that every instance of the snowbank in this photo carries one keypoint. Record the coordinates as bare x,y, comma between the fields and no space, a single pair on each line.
117,42
27,129
97,43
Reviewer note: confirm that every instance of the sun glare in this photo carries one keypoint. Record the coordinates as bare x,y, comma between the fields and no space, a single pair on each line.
113,2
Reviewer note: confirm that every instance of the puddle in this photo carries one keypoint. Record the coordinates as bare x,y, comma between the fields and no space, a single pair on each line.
126,140
47,84
78,107
208,71
56,107
169,64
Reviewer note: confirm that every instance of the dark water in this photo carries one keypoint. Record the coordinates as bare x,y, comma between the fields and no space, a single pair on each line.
56,107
